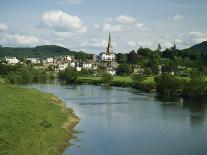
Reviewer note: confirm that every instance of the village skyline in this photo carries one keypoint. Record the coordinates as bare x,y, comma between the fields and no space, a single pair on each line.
84,25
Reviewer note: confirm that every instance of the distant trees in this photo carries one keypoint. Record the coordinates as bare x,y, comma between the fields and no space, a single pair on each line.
121,58
82,56
69,75
124,69
195,90
23,74
132,57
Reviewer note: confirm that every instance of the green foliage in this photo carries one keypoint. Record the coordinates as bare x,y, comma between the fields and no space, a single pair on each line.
69,75
167,85
196,89
86,72
82,56
148,71
132,57
124,69
195,74
146,87
23,74
37,52
138,78
121,58
107,78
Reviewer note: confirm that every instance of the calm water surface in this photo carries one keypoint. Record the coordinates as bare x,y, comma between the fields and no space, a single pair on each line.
121,121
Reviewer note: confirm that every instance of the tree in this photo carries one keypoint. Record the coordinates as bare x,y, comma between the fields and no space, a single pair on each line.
167,85
159,48
147,71
124,69
121,58
196,90
132,57
69,75
107,78
138,78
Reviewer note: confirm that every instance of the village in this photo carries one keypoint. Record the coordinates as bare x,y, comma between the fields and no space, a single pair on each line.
60,63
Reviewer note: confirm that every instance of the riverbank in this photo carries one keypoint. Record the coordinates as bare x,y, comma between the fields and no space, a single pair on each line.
32,122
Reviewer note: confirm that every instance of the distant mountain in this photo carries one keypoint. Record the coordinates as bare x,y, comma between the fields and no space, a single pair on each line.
201,47
37,52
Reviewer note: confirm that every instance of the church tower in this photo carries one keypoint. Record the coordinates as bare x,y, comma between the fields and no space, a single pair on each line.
109,48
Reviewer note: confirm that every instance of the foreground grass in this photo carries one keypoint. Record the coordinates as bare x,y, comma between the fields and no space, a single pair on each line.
32,122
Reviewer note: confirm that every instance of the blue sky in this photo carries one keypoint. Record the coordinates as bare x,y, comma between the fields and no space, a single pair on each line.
85,24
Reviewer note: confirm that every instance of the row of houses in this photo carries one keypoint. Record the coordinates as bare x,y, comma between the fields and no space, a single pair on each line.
62,62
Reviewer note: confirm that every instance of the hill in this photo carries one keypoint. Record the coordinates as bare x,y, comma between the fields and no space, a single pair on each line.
37,52
201,47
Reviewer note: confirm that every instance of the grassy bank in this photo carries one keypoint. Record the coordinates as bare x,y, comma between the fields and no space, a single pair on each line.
32,122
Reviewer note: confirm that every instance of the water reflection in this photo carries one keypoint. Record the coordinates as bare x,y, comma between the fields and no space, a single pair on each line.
197,112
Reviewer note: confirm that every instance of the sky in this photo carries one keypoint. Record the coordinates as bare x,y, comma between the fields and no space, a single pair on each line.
85,24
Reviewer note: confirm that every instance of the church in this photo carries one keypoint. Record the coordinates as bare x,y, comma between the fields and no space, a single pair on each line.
108,56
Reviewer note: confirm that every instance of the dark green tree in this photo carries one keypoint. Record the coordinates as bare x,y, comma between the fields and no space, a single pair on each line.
124,69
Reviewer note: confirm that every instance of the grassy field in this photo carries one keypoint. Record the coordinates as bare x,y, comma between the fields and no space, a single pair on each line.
32,122
126,79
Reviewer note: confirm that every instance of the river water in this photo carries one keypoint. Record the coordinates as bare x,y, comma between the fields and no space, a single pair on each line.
122,121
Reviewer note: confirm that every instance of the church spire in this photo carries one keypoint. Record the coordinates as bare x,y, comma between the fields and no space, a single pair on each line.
109,48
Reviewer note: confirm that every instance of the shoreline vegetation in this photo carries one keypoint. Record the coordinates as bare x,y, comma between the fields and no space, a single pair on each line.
33,121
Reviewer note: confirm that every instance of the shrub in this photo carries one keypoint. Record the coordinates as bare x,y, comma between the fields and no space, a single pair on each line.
107,78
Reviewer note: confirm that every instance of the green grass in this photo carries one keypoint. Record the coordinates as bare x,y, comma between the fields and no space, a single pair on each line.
124,79
32,122
127,79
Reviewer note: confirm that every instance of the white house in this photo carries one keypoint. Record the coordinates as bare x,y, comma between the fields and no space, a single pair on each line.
87,65
49,60
68,58
78,69
12,60
62,67
33,60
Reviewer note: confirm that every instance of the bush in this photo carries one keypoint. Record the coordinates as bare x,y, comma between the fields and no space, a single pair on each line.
138,78
124,69
167,85
107,78
147,87
195,90
69,75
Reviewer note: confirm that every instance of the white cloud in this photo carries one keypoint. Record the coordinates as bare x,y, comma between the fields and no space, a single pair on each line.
75,2
139,25
131,44
62,22
95,43
191,38
144,44
178,18
26,40
108,27
125,19
18,39
3,27
112,28
120,24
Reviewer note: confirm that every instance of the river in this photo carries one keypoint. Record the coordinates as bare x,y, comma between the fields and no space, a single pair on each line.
122,121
